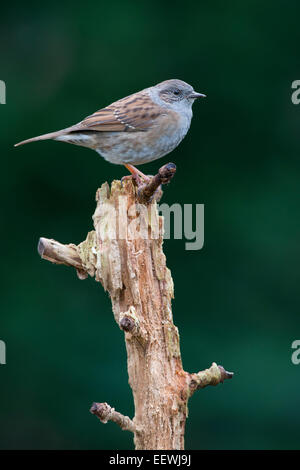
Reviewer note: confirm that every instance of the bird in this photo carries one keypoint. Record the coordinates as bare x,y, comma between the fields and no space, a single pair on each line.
137,129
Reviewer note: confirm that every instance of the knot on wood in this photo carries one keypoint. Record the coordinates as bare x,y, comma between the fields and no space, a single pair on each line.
129,322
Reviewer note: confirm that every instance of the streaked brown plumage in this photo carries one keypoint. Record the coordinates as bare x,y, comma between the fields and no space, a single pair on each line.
134,130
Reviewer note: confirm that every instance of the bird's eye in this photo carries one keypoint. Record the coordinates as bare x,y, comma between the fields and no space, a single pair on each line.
176,92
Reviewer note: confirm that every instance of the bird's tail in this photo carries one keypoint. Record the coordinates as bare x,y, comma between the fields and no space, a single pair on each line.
51,135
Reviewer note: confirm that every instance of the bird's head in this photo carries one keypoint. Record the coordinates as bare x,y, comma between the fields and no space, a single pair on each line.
175,94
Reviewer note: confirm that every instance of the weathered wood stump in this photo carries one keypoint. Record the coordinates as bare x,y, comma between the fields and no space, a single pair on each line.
124,253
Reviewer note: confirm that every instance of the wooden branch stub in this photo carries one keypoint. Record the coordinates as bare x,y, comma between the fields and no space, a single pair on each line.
58,253
146,192
225,374
212,376
106,413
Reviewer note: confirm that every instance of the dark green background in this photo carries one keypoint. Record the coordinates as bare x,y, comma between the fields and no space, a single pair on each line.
236,300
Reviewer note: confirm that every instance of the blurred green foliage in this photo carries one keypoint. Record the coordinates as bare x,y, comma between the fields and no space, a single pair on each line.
236,300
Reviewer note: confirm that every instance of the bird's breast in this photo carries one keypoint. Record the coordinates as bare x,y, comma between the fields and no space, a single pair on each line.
145,146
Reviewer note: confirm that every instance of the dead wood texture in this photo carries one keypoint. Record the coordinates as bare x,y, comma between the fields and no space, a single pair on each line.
124,253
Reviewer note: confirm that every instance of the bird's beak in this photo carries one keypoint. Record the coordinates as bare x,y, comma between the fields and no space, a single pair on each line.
196,95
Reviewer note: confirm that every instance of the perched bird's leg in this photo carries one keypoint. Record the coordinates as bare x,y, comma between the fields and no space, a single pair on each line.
135,172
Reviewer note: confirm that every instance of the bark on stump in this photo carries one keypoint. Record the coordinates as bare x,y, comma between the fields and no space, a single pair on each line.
125,254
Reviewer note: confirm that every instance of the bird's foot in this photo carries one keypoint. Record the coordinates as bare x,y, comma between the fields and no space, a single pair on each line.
133,177
137,175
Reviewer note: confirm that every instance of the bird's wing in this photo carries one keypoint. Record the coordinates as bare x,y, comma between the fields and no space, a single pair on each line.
133,113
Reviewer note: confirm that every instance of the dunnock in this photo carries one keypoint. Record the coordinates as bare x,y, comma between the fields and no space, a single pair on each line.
137,129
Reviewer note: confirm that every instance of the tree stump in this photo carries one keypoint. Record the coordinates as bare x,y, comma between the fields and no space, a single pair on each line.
124,253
